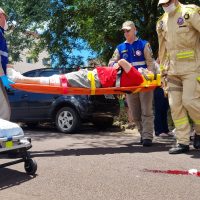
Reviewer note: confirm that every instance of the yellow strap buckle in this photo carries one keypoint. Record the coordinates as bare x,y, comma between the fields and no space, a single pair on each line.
90,77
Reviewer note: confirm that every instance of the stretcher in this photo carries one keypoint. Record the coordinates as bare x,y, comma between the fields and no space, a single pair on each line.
13,142
150,82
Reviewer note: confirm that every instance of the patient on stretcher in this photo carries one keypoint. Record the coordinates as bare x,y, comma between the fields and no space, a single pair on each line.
102,77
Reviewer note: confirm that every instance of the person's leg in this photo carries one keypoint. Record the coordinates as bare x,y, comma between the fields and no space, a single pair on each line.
146,101
158,111
135,110
164,114
19,78
80,78
191,101
75,79
179,115
131,123
5,110
161,106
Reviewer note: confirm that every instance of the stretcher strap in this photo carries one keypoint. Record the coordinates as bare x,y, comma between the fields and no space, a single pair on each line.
145,75
63,82
90,77
119,74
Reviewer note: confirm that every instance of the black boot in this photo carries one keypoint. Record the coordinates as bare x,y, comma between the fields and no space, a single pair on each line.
180,148
147,142
196,142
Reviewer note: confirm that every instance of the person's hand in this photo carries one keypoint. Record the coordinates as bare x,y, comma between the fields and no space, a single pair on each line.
144,71
116,66
163,73
148,72
156,67
6,81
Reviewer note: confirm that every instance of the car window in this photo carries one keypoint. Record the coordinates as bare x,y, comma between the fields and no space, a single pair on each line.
48,73
29,74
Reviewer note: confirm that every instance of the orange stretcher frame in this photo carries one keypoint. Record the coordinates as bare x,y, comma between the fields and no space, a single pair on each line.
149,83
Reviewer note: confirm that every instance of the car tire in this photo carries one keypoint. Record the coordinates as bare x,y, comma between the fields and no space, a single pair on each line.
67,120
30,166
103,123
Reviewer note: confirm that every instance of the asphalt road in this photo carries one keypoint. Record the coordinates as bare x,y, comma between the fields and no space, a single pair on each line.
100,165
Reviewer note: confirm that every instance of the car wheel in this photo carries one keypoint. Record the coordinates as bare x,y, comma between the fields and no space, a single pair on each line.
103,123
67,120
30,166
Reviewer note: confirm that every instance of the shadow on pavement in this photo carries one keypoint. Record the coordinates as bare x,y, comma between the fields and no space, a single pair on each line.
10,178
128,148
44,132
120,147
88,131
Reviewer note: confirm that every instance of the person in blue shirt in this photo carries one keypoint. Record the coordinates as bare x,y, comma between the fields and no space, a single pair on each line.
4,81
137,52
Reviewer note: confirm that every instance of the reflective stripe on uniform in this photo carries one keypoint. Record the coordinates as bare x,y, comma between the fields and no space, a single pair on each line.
185,54
161,67
179,10
175,82
177,89
90,77
189,10
3,53
197,122
181,121
138,63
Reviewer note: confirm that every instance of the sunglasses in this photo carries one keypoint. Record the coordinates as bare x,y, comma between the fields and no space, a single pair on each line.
126,31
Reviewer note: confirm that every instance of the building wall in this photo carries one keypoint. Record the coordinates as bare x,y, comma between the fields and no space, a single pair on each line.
28,64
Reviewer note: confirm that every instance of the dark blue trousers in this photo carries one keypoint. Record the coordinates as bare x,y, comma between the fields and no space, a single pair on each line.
161,106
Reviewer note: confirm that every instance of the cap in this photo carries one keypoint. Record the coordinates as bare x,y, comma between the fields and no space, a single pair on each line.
163,1
128,25
3,12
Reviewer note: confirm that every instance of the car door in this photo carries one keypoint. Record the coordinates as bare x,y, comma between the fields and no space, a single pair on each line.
19,104
39,105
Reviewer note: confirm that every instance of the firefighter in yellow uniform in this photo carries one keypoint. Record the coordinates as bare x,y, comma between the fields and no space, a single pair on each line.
179,54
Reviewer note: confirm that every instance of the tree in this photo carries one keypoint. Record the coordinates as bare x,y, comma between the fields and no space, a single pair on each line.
100,22
24,17
62,35
64,22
